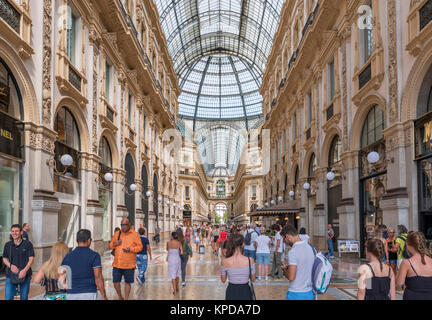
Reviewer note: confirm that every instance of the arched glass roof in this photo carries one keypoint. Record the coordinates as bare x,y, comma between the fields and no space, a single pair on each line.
219,50
220,86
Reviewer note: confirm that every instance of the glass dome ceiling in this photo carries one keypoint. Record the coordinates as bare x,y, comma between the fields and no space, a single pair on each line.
219,50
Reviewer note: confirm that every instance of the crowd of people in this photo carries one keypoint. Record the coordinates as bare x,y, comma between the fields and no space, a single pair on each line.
395,263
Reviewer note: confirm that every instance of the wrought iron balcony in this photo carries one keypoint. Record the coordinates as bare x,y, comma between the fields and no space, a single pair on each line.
330,112
365,76
75,78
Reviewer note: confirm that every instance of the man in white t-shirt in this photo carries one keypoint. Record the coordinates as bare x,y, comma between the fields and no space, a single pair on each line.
299,268
262,246
277,255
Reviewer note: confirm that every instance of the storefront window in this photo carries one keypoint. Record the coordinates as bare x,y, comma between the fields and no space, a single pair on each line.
105,188
10,96
312,165
68,185
11,155
335,151
373,175
9,198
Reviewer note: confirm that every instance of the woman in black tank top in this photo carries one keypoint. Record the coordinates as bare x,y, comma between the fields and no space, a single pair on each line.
371,286
416,272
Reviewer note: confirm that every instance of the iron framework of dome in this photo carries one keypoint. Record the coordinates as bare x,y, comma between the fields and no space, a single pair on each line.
219,50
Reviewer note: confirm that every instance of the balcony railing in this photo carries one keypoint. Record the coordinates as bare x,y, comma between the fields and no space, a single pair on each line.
308,134
11,15
144,55
425,14
75,78
110,114
365,76
330,112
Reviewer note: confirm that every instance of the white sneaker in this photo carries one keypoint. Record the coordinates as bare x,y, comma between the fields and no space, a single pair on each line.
184,284
266,278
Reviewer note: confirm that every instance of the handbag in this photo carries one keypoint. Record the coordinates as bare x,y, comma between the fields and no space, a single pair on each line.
14,277
251,283
113,250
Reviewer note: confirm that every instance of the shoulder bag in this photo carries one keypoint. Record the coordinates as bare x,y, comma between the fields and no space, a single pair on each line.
250,282
14,277
113,250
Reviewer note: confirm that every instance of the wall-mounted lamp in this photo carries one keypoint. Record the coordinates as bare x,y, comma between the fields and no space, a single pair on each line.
159,198
272,202
373,157
108,177
280,198
66,161
132,188
306,186
291,193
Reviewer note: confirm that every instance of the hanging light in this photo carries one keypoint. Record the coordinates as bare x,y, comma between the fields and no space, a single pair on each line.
373,157
306,186
280,198
148,193
160,198
167,202
272,202
174,205
331,176
291,193
266,204
133,187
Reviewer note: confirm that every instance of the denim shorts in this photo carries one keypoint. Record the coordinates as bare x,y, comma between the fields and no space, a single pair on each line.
128,275
263,258
300,295
393,261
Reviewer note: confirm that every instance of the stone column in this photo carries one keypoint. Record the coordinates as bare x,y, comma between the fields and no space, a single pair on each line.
347,220
94,224
396,205
151,215
319,228
45,208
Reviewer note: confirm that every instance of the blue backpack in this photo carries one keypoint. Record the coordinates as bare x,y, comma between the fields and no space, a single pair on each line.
321,273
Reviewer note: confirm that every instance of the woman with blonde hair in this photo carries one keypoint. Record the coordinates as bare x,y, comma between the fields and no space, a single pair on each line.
49,275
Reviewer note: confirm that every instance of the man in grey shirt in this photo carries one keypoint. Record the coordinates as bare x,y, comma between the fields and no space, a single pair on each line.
330,236
300,263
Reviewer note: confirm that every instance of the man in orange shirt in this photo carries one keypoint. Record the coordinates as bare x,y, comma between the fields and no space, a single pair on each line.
127,244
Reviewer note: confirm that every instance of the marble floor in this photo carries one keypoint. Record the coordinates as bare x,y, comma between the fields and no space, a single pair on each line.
203,280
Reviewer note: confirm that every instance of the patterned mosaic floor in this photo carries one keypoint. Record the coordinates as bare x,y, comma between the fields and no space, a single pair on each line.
203,281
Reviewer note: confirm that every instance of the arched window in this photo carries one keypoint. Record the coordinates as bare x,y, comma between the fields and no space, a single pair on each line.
312,165
10,95
105,153
373,127
296,176
67,129
429,104
220,188
335,151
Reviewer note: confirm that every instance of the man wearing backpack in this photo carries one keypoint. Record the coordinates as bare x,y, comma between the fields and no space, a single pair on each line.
298,271
401,244
250,236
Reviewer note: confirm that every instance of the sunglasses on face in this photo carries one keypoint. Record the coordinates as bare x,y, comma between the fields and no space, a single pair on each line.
124,225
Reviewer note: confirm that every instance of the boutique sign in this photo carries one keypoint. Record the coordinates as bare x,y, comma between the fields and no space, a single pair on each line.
10,136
